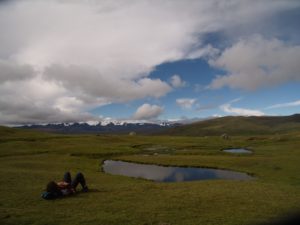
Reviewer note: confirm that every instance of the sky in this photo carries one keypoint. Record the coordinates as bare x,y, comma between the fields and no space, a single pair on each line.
147,60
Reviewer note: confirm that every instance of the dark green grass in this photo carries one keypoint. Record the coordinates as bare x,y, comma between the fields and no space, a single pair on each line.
29,160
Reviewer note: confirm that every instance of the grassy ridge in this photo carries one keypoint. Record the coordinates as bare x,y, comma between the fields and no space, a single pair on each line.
239,125
28,160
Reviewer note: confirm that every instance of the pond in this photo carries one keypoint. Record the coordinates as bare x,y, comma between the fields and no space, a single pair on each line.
169,173
237,150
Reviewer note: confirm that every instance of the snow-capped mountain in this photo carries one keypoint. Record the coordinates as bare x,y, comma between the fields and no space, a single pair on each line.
111,127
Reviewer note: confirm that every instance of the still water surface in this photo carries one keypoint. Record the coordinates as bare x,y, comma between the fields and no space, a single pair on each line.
169,173
237,150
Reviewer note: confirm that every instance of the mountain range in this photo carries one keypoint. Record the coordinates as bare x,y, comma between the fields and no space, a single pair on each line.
103,128
231,125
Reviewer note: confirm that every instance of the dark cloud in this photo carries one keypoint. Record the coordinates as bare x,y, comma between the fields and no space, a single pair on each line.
10,71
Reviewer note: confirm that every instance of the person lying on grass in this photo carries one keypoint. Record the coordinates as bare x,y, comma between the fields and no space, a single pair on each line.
65,187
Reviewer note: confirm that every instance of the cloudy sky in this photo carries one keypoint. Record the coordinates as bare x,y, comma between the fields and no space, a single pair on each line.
83,60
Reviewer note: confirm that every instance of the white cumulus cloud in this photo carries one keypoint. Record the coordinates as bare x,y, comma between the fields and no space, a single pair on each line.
186,103
147,112
257,62
228,108
177,82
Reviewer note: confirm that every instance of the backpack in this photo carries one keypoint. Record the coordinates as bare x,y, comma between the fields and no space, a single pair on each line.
49,195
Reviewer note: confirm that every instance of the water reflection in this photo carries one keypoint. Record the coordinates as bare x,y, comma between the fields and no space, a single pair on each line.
169,174
237,150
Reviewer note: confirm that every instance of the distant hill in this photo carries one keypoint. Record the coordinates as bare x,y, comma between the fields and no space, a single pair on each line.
239,125
7,131
11,132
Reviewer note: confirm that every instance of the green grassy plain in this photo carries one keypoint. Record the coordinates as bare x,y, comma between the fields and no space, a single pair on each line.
28,160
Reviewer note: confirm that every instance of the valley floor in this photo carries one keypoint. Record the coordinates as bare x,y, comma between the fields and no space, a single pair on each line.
28,160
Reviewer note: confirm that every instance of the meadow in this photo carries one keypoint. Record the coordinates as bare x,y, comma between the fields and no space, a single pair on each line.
28,160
